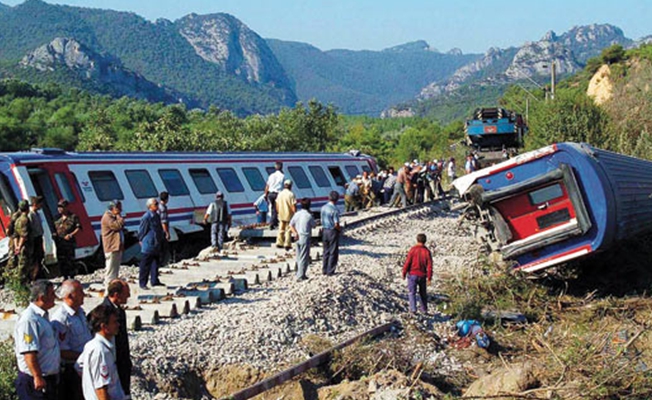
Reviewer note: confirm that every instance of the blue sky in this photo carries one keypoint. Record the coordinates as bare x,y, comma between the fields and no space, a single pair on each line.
471,25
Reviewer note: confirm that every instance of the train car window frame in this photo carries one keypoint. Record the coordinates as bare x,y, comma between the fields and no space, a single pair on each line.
319,176
175,186
204,183
76,182
64,186
546,194
141,188
366,169
232,185
338,176
270,170
350,168
106,185
256,181
299,177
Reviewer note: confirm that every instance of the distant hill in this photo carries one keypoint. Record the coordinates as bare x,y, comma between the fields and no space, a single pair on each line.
159,52
364,82
483,81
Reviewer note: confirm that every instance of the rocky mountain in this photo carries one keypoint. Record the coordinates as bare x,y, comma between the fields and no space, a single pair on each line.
531,64
224,40
68,56
364,82
244,78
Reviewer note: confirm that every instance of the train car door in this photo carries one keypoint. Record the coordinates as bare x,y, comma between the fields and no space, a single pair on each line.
543,212
55,182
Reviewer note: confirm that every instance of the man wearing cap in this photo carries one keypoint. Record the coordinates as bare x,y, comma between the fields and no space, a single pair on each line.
112,226
150,236
286,206
36,225
23,245
72,331
218,214
273,187
66,227
37,349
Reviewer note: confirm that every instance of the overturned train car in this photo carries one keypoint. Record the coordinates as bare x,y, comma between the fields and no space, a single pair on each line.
559,203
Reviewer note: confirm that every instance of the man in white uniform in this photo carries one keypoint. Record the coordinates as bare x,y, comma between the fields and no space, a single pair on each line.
100,378
272,189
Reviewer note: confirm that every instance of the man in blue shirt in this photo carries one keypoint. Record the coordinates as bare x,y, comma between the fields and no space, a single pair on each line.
352,196
330,222
150,236
301,225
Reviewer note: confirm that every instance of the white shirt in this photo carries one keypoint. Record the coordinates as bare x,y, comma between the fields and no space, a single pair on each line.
451,169
71,328
275,182
97,363
33,332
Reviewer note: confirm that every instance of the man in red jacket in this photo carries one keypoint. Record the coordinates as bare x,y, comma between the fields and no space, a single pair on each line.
418,269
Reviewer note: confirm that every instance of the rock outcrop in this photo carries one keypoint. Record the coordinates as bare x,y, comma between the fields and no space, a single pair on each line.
514,379
419,45
224,40
600,86
95,70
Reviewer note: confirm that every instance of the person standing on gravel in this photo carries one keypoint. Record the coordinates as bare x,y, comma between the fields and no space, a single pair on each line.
330,222
218,214
112,225
38,252
301,224
150,236
117,295
418,270
37,348
273,187
286,206
164,198
72,331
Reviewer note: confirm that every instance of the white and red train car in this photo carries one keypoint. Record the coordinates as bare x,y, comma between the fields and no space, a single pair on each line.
89,181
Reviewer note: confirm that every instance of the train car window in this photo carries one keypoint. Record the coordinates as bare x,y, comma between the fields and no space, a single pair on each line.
203,181
337,175
64,186
545,194
352,170
254,178
141,183
319,176
76,182
366,168
173,182
554,218
230,180
105,185
299,177
270,170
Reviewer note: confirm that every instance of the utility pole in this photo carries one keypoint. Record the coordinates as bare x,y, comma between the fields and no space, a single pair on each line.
553,79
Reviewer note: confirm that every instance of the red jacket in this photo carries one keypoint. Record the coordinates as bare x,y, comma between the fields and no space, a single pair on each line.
418,262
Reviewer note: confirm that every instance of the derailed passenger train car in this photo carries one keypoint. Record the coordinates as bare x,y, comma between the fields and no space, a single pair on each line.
89,181
559,203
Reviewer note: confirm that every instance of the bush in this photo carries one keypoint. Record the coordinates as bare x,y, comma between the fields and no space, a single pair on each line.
8,370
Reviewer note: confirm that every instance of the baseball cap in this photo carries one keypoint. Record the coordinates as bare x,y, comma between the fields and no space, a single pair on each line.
287,182
218,195
62,203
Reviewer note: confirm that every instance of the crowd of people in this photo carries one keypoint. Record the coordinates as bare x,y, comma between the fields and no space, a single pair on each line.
71,354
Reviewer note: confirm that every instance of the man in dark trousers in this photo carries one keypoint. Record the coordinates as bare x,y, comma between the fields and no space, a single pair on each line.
150,236
273,187
418,270
67,226
330,222
117,295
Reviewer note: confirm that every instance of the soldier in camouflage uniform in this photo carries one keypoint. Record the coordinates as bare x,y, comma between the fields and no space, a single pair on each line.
23,245
11,262
66,227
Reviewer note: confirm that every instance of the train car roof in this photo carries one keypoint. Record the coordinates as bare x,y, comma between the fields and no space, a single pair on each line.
49,155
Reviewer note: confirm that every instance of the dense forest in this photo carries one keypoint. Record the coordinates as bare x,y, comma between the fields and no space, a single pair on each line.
53,116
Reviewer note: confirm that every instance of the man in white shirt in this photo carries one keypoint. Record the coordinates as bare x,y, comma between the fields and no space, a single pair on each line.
272,189
72,331
97,363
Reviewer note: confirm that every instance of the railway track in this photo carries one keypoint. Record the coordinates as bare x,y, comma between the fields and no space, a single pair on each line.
209,277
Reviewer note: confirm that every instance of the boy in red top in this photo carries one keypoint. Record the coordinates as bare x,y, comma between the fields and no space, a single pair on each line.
418,269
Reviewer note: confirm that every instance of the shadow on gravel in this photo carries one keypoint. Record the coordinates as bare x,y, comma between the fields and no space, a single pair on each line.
371,254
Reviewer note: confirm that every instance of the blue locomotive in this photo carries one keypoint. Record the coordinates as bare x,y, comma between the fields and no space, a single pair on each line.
495,129
559,203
